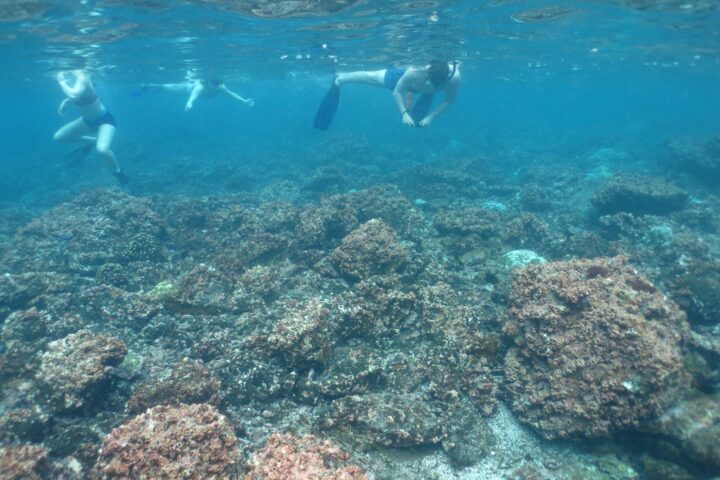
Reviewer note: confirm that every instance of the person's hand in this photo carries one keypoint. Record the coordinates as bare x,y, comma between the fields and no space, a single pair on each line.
425,122
60,77
250,102
188,106
61,108
408,120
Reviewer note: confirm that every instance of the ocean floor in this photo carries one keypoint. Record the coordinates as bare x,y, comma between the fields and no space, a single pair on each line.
510,316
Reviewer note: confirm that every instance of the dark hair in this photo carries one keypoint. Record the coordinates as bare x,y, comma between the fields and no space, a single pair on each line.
216,82
438,73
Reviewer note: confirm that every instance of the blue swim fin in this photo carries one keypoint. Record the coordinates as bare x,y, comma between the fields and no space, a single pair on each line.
328,107
421,107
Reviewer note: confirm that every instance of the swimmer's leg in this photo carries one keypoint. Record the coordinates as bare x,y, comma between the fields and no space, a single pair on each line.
174,87
74,131
105,135
376,78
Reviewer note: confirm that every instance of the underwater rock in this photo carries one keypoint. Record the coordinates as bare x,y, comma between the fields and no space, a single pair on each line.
288,457
24,335
596,348
696,288
16,291
526,231
638,195
385,202
255,288
306,336
466,221
535,198
104,226
522,258
168,443
112,274
698,156
334,218
190,382
375,305
660,469
371,249
24,462
76,369
693,426
469,439
204,290
387,419
24,424
352,371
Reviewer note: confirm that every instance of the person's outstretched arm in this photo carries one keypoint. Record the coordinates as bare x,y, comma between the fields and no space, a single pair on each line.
61,108
450,94
194,94
400,93
247,101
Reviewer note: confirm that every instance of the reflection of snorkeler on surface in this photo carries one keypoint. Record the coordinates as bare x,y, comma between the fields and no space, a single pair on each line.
198,89
96,125
404,83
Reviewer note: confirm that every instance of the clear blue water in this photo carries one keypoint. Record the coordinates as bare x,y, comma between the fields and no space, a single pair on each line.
558,78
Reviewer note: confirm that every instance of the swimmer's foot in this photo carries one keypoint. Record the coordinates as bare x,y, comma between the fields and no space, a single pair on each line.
122,177
74,158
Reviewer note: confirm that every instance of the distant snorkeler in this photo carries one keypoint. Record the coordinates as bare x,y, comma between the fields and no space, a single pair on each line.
96,125
405,83
197,89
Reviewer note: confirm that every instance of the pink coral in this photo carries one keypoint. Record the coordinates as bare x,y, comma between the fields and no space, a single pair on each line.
23,462
190,441
597,348
287,457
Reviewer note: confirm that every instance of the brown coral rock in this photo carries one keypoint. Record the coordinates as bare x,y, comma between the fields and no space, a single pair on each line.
597,348
287,457
23,462
190,441
190,382
75,368
371,249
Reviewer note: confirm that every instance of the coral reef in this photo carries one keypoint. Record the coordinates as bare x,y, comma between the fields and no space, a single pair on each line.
320,307
75,370
699,156
392,421
596,348
692,425
638,195
371,249
190,382
189,441
288,457
24,462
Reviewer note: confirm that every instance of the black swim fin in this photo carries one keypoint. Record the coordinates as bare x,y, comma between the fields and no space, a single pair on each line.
122,177
328,107
74,158
421,107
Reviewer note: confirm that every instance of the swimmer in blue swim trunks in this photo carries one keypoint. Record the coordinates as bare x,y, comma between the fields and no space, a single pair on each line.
95,127
405,83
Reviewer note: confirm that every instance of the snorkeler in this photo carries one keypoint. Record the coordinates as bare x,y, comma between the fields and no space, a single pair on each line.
95,126
198,89
405,83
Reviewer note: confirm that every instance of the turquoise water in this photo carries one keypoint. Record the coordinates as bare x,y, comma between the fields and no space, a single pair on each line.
562,78
364,282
